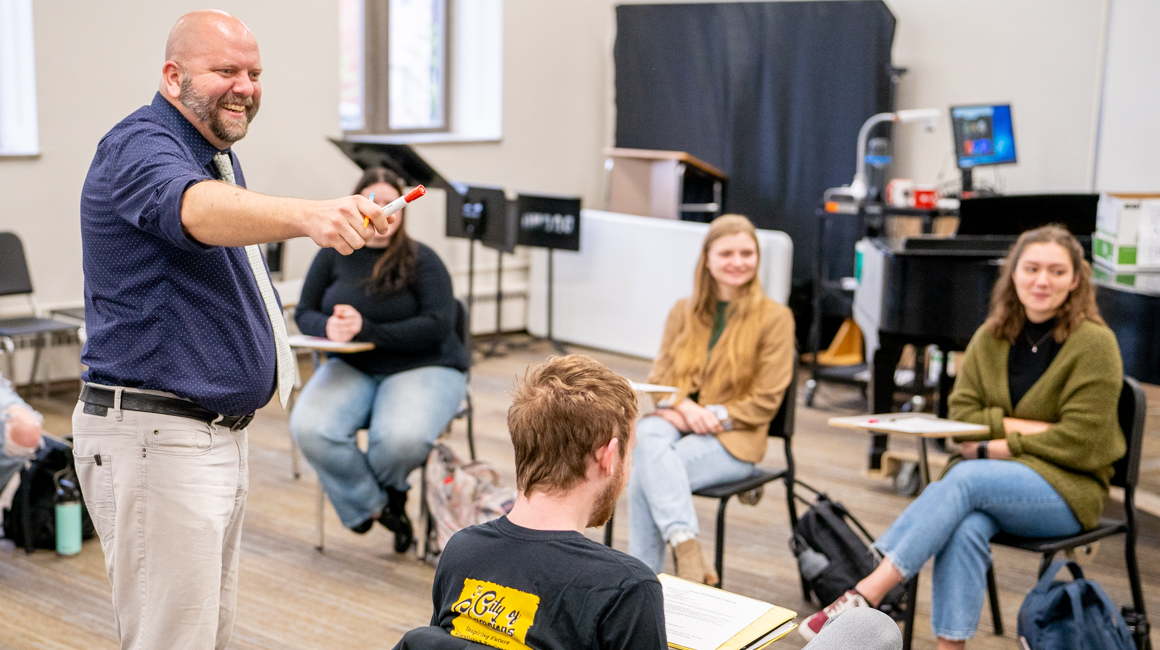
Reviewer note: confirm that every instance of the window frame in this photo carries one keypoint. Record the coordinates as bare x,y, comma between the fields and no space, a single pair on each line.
376,72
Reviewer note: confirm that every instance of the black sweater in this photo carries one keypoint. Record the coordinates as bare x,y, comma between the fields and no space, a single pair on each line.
411,328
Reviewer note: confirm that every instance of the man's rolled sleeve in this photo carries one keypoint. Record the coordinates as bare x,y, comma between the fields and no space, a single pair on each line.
151,188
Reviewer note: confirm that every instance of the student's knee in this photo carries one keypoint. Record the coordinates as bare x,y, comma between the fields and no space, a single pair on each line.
861,627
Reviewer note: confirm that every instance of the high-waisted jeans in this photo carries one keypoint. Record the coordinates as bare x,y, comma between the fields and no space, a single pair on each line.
403,414
953,521
666,468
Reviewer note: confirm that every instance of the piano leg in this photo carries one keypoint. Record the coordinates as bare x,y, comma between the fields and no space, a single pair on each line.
886,359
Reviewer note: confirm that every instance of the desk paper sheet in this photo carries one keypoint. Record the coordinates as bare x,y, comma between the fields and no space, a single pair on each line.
700,618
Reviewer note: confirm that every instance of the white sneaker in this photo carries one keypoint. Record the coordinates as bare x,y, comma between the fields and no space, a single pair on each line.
812,625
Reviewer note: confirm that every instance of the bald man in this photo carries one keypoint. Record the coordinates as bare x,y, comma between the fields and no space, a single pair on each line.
185,334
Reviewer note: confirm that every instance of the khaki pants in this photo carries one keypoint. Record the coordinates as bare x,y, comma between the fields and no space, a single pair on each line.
167,496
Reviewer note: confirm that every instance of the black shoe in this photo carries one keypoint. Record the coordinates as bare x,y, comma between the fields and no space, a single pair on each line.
395,518
362,528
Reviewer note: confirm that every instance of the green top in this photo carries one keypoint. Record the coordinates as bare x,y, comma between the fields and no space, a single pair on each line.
718,323
1079,392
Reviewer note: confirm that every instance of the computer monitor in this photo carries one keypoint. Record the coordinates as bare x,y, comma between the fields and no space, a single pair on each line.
983,135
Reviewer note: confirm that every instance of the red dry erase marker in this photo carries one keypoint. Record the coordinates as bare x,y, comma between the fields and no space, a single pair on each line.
399,203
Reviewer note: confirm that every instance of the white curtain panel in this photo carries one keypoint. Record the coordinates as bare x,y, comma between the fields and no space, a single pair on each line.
18,126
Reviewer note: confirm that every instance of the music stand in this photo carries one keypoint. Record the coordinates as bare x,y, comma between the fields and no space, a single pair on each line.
550,222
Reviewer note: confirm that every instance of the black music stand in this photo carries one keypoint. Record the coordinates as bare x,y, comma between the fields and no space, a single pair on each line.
550,222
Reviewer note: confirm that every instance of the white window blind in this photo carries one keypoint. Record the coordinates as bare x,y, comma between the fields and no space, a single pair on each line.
18,125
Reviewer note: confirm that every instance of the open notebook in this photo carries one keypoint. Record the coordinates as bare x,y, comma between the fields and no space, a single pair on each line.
699,617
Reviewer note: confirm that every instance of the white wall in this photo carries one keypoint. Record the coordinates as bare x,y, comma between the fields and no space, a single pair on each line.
1129,139
1039,55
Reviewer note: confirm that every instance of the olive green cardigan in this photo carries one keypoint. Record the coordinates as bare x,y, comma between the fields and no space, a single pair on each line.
1079,392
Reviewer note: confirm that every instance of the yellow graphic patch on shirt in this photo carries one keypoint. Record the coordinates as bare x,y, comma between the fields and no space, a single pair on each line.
494,615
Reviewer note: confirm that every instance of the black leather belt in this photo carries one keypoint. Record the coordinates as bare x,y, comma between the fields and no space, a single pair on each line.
100,400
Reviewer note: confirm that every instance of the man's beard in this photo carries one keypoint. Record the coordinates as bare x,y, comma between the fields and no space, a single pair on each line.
206,109
606,502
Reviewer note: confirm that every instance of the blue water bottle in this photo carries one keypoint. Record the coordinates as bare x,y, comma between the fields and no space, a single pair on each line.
68,512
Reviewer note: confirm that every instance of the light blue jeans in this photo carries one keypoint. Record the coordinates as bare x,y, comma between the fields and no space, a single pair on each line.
403,414
667,467
953,521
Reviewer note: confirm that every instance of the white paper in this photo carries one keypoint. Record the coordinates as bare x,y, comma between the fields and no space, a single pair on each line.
652,388
320,343
703,618
917,423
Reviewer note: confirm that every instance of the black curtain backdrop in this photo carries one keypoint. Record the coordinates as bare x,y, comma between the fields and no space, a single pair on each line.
773,93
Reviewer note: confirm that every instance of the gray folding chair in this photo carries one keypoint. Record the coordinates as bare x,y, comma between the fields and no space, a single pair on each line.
15,281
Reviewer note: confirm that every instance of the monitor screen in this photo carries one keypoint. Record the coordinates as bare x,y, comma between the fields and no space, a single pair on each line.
983,135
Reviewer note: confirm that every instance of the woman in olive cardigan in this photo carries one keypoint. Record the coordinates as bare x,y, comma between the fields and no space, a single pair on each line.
1044,373
729,349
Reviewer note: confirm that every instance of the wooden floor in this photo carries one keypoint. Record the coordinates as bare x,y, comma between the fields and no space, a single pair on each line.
359,593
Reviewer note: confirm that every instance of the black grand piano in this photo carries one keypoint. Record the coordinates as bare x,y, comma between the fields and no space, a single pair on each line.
936,291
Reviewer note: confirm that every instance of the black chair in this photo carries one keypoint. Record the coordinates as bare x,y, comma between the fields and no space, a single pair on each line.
15,281
781,427
466,411
1132,412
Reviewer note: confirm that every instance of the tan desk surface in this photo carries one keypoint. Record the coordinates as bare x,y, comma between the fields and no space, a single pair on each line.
326,345
923,425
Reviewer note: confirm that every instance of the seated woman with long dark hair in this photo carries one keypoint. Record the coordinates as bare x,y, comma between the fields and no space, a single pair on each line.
729,351
1044,374
395,293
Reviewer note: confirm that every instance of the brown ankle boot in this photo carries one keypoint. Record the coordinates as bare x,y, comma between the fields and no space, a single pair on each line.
690,563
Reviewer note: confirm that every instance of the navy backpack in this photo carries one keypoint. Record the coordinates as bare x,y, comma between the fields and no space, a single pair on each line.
1078,614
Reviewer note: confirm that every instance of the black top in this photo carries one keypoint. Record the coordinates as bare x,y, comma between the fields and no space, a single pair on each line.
1024,366
411,328
549,590
164,311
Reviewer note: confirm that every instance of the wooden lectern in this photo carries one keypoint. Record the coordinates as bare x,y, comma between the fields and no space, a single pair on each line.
664,184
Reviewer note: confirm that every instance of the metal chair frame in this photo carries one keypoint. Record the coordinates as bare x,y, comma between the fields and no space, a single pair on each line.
16,281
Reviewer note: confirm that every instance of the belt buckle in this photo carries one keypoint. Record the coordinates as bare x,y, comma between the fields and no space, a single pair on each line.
242,422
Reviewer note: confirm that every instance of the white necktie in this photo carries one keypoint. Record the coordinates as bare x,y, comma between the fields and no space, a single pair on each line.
287,369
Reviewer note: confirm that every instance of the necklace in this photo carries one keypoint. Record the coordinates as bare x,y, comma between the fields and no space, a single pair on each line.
1035,344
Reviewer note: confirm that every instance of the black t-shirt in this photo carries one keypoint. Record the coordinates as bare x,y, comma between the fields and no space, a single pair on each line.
1024,366
413,327
511,587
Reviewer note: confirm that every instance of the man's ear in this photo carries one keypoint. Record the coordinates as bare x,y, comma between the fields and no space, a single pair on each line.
171,79
606,456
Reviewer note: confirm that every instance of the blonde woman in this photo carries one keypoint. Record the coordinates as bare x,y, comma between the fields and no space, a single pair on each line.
1044,373
729,349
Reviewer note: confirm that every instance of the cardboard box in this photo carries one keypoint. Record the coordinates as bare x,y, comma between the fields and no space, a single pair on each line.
1127,236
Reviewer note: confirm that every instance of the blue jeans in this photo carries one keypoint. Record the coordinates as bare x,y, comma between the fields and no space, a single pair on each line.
403,414
666,469
953,521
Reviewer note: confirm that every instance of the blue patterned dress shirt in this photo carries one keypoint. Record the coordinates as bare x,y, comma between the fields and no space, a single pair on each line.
164,311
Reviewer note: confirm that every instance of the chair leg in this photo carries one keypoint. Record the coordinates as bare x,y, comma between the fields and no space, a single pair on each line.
993,598
911,607
294,467
1044,562
608,530
321,519
470,427
1140,624
720,550
424,514
36,348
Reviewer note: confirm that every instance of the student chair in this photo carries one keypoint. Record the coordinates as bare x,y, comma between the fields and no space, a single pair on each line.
781,427
465,412
1132,412
15,281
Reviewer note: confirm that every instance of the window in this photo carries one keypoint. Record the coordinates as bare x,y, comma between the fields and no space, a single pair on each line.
18,127
403,64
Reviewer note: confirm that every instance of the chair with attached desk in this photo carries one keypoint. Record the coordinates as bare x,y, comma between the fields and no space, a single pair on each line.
16,281
465,412
1132,412
782,427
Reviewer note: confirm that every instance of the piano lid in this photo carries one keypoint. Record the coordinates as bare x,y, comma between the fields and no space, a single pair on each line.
399,158
1013,215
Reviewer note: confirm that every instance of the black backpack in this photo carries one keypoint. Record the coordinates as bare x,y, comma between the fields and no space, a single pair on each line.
1075,615
31,521
832,557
